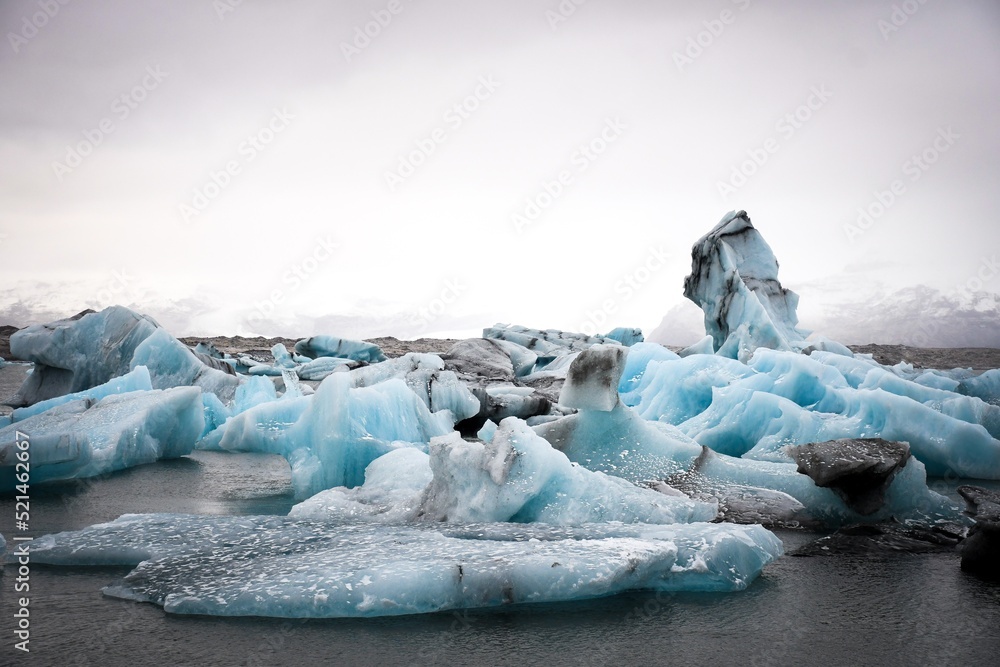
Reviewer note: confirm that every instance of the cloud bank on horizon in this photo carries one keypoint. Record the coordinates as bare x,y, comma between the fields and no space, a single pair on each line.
403,168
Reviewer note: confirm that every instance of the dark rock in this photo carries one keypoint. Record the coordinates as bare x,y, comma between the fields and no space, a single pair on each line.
869,539
981,550
5,334
858,470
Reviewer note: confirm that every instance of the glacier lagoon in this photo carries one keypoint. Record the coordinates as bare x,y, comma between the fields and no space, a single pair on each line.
528,466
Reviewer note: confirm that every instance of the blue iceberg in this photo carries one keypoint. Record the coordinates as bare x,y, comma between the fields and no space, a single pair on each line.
83,438
294,568
517,477
78,353
333,346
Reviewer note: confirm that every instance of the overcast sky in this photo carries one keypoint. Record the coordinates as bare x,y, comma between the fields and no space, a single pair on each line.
268,163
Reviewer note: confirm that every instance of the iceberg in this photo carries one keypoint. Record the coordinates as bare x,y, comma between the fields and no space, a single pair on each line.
318,369
782,399
625,335
83,438
329,438
620,442
332,346
135,380
515,477
294,568
734,280
171,363
545,342
78,353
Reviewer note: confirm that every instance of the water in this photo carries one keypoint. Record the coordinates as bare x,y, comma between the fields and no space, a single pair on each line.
886,609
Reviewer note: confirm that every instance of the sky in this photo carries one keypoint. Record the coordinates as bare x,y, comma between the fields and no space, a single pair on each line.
432,167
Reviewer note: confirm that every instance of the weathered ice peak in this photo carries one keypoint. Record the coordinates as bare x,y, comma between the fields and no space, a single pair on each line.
734,280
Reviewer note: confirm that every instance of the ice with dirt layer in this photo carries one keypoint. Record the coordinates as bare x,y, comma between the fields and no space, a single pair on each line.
83,438
734,280
334,346
517,477
548,342
294,568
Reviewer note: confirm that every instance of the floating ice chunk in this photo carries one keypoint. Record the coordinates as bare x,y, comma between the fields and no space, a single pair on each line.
331,437
78,353
83,439
135,380
704,346
985,386
171,363
209,350
424,374
318,369
216,414
286,567
253,392
639,357
593,377
392,493
282,359
519,477
332,346
291,383
622,444
627,336
262,428
264,370
487,432
755,424
547,342
784,398
675,391
515,477
734,280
